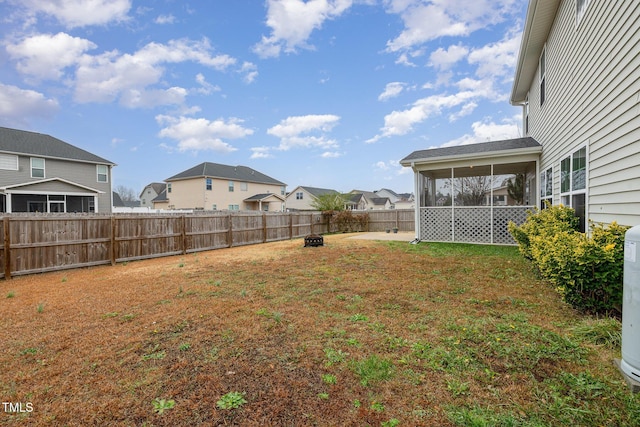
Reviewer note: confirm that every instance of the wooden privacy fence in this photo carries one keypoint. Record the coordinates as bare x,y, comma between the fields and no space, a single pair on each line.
40,243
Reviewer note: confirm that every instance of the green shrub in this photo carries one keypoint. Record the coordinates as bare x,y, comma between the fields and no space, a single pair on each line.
587,269
552,220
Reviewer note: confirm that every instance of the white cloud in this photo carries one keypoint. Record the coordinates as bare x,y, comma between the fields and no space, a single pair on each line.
426,21
293,21
445,59
488,131
201,134
496,59
81,13
107,77
16,104
45,56
402,122
205,87
298,131
261,153
250,71
165,19
392,90
331,154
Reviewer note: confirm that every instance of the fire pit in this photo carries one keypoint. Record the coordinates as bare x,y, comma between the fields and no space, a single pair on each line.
313,240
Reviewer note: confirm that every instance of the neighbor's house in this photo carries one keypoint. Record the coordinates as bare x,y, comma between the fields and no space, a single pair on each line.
302,198
367,200
398,201
40,173
150,192
213,186
578,82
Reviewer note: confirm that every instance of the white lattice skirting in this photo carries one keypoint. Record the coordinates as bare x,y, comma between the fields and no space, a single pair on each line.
470,224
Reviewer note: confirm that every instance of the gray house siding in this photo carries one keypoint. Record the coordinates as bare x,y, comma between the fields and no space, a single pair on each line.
80,173
592,100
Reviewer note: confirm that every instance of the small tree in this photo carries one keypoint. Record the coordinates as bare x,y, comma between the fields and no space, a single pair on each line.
329,202
515,188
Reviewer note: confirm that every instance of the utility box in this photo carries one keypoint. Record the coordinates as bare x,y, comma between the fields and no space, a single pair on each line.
630,363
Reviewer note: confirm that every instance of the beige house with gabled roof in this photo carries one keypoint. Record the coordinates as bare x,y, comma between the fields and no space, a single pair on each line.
214,186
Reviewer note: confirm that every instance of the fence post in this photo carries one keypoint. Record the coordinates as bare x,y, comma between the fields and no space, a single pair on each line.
230,231
7,248
112,249
183,234
290,225
264,227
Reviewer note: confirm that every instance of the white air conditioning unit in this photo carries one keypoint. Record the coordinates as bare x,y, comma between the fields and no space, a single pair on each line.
630,363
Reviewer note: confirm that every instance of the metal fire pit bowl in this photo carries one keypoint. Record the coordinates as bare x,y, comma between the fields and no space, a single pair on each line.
313,240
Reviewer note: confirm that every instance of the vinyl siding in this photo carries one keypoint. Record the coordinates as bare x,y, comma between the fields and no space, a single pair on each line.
81,173
593,99
191,193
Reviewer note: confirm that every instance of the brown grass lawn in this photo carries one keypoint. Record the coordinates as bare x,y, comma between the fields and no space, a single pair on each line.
355,333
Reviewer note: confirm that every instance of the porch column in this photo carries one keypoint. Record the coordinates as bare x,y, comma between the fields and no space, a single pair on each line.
7,199
418,183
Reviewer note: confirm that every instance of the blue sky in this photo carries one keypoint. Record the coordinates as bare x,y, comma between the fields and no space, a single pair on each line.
323,93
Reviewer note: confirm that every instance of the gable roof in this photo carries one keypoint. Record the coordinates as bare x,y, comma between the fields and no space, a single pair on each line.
315,191
493,148
70,185
263,196
158,187
16,141
233,173
540,17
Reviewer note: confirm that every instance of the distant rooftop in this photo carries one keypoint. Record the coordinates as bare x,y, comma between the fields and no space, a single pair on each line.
232,173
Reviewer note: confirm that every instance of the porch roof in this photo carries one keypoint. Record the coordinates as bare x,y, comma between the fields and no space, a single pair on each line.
493,149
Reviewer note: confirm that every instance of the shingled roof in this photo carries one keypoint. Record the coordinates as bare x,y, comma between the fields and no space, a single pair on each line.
16,141
232,173
472,149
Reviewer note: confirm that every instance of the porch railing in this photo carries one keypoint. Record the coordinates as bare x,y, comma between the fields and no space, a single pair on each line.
470,224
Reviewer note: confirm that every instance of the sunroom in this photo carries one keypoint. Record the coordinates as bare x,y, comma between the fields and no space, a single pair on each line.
470,193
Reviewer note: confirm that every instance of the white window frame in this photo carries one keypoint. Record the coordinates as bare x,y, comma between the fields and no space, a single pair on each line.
208,184
244,186
104,173
581,10
43,168
546,196
299,195
231,186
566,195
542,67
8,162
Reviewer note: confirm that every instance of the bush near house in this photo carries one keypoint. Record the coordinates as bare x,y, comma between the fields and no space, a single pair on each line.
586,269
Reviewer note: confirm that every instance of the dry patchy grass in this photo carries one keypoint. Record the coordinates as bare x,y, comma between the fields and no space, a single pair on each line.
353,333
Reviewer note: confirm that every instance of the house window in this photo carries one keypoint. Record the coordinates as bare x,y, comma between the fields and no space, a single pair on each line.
209,184
214,207
299,195
230,186
581,8
546,188
543,72
573,183
234,207
8,162
103,173
283,190
526,116
37,167
244,186
169,188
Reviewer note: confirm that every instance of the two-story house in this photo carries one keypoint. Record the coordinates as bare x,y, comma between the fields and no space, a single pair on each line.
150,192
577,80
302,198
40,173
213,186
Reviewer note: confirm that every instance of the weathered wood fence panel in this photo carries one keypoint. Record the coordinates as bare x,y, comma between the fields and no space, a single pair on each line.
40,243
402,219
